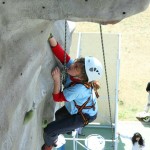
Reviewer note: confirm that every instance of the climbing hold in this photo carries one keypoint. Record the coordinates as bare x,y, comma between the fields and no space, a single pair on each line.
44,123
50,36
44,93
28,116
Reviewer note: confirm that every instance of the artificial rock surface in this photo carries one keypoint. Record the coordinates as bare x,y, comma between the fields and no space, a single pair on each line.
26,60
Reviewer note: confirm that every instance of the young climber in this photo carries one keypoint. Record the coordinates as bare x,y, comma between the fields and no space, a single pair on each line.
137,141
147,107
79,94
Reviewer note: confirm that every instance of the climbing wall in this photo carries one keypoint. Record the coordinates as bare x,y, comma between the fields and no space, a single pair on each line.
26,60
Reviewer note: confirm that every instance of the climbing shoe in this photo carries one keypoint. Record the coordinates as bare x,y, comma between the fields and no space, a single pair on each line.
45,147
60,141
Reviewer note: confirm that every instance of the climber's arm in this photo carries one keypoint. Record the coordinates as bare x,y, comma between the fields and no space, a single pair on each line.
58,50
59,97
52,41
57,94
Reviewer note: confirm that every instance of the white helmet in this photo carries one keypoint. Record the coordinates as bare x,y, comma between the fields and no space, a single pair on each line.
93,68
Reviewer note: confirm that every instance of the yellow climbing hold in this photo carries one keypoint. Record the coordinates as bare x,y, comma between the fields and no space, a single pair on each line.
28,116
44,123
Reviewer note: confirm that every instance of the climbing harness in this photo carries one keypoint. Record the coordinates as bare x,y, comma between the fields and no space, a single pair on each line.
102,43
80,108
83,106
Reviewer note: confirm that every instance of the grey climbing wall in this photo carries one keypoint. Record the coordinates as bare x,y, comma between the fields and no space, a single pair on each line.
26,59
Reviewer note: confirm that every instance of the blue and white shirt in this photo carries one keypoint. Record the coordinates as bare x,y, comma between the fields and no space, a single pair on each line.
80,94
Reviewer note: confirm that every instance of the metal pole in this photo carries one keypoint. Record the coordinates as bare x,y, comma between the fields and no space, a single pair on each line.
117,85
78,47
80,139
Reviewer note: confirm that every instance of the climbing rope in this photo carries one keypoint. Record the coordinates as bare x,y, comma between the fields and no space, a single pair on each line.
63,75
110,115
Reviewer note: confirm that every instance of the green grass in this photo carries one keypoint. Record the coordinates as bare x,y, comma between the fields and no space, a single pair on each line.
128,113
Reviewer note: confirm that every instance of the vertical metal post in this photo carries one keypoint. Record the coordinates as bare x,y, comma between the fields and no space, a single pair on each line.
74,133
116,101
78,47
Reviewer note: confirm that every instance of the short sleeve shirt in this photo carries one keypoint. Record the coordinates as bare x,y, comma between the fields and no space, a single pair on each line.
80,94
